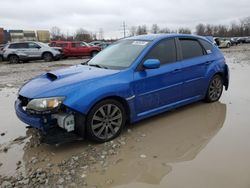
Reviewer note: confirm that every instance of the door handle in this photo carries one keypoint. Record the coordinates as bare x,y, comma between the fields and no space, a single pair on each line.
207,63
176,70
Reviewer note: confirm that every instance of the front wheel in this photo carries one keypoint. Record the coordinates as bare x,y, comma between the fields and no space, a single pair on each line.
47,57
105,120
215,89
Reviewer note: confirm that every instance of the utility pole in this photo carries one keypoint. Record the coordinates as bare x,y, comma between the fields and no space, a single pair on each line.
124,28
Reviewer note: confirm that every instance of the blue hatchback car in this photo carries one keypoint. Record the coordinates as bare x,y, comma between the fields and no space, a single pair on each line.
132,79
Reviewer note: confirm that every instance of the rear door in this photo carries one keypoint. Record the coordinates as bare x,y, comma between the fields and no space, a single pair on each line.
23,48
194,64
156,88
75,50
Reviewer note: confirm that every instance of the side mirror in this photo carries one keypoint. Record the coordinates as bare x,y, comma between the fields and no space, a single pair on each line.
151,64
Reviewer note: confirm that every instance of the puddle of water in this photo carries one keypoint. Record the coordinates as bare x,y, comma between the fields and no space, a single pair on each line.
172,137
12,128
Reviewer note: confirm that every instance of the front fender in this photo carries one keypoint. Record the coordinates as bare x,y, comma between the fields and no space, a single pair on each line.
83,99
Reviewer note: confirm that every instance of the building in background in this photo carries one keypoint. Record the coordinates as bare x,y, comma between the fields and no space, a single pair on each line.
29,35
16,35
1,36
43,36
24,35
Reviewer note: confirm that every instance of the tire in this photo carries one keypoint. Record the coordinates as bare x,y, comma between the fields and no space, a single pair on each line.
215,89
13,59
94,53
228,45
99,124
47,57
1,58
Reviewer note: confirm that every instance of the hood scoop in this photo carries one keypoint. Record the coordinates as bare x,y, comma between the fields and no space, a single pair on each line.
51,76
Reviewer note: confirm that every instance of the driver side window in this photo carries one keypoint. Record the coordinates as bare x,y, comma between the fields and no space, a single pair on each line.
165,51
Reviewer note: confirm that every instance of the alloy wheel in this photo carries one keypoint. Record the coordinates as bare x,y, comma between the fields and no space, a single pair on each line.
215,88
106,121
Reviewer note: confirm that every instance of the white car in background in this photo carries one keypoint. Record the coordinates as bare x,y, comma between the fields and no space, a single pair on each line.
222,42
25,51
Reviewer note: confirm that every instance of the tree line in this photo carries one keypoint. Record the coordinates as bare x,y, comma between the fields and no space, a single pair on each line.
233,30
239,29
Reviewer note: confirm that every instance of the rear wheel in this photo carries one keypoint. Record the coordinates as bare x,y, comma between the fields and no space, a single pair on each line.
1,58
228,45
215,89
47,57
105,120
13,59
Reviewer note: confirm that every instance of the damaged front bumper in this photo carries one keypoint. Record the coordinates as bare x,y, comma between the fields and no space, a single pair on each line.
59,127
36,121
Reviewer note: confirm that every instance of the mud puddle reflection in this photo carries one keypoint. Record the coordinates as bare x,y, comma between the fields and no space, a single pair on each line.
155,144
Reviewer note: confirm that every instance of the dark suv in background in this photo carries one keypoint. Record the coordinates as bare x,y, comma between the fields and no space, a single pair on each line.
1,51
25,51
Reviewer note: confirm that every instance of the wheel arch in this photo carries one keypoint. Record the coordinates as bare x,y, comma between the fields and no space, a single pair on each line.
117,98
8,57
47,52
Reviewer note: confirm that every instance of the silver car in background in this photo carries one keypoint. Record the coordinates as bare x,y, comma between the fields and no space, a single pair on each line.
25,51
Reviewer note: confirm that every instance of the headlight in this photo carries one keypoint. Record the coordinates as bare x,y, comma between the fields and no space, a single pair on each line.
45,104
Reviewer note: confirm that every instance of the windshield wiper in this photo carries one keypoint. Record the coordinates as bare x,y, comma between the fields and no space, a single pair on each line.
86,62
99,66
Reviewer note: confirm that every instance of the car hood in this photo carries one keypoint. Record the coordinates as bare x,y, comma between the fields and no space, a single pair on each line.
60,82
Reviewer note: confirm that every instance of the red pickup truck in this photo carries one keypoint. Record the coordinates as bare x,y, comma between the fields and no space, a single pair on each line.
73,48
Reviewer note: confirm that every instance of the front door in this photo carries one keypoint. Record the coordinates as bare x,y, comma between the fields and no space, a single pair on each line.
156,88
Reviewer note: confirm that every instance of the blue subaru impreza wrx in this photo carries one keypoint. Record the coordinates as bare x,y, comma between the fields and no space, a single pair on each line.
132,79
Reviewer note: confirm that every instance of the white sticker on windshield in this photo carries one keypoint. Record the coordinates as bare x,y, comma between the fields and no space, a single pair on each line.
143,43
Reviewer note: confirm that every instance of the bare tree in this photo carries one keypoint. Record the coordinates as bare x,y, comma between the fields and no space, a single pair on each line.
165,30
155,29
200,29
184,30
56,33
132,31
141,30
83,35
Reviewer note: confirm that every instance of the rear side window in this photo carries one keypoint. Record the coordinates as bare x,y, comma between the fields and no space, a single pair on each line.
165,51
190,48
18,45
207,46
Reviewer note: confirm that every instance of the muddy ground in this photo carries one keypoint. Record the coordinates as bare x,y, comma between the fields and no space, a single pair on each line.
199,145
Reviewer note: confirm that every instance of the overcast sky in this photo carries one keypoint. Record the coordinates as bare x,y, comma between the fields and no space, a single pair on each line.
92,15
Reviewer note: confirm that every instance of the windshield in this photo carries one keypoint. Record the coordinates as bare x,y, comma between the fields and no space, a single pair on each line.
119,55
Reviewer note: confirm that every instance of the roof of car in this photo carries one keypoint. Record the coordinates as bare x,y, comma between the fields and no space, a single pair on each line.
152,37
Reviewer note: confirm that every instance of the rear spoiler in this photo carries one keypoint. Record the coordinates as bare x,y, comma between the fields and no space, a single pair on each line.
210,38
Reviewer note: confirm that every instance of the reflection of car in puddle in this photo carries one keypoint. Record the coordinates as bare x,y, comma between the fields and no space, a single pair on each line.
173,137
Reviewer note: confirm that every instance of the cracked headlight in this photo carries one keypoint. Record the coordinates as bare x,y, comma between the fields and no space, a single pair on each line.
45,104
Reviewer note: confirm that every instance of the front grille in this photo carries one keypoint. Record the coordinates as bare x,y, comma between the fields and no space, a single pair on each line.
24,100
